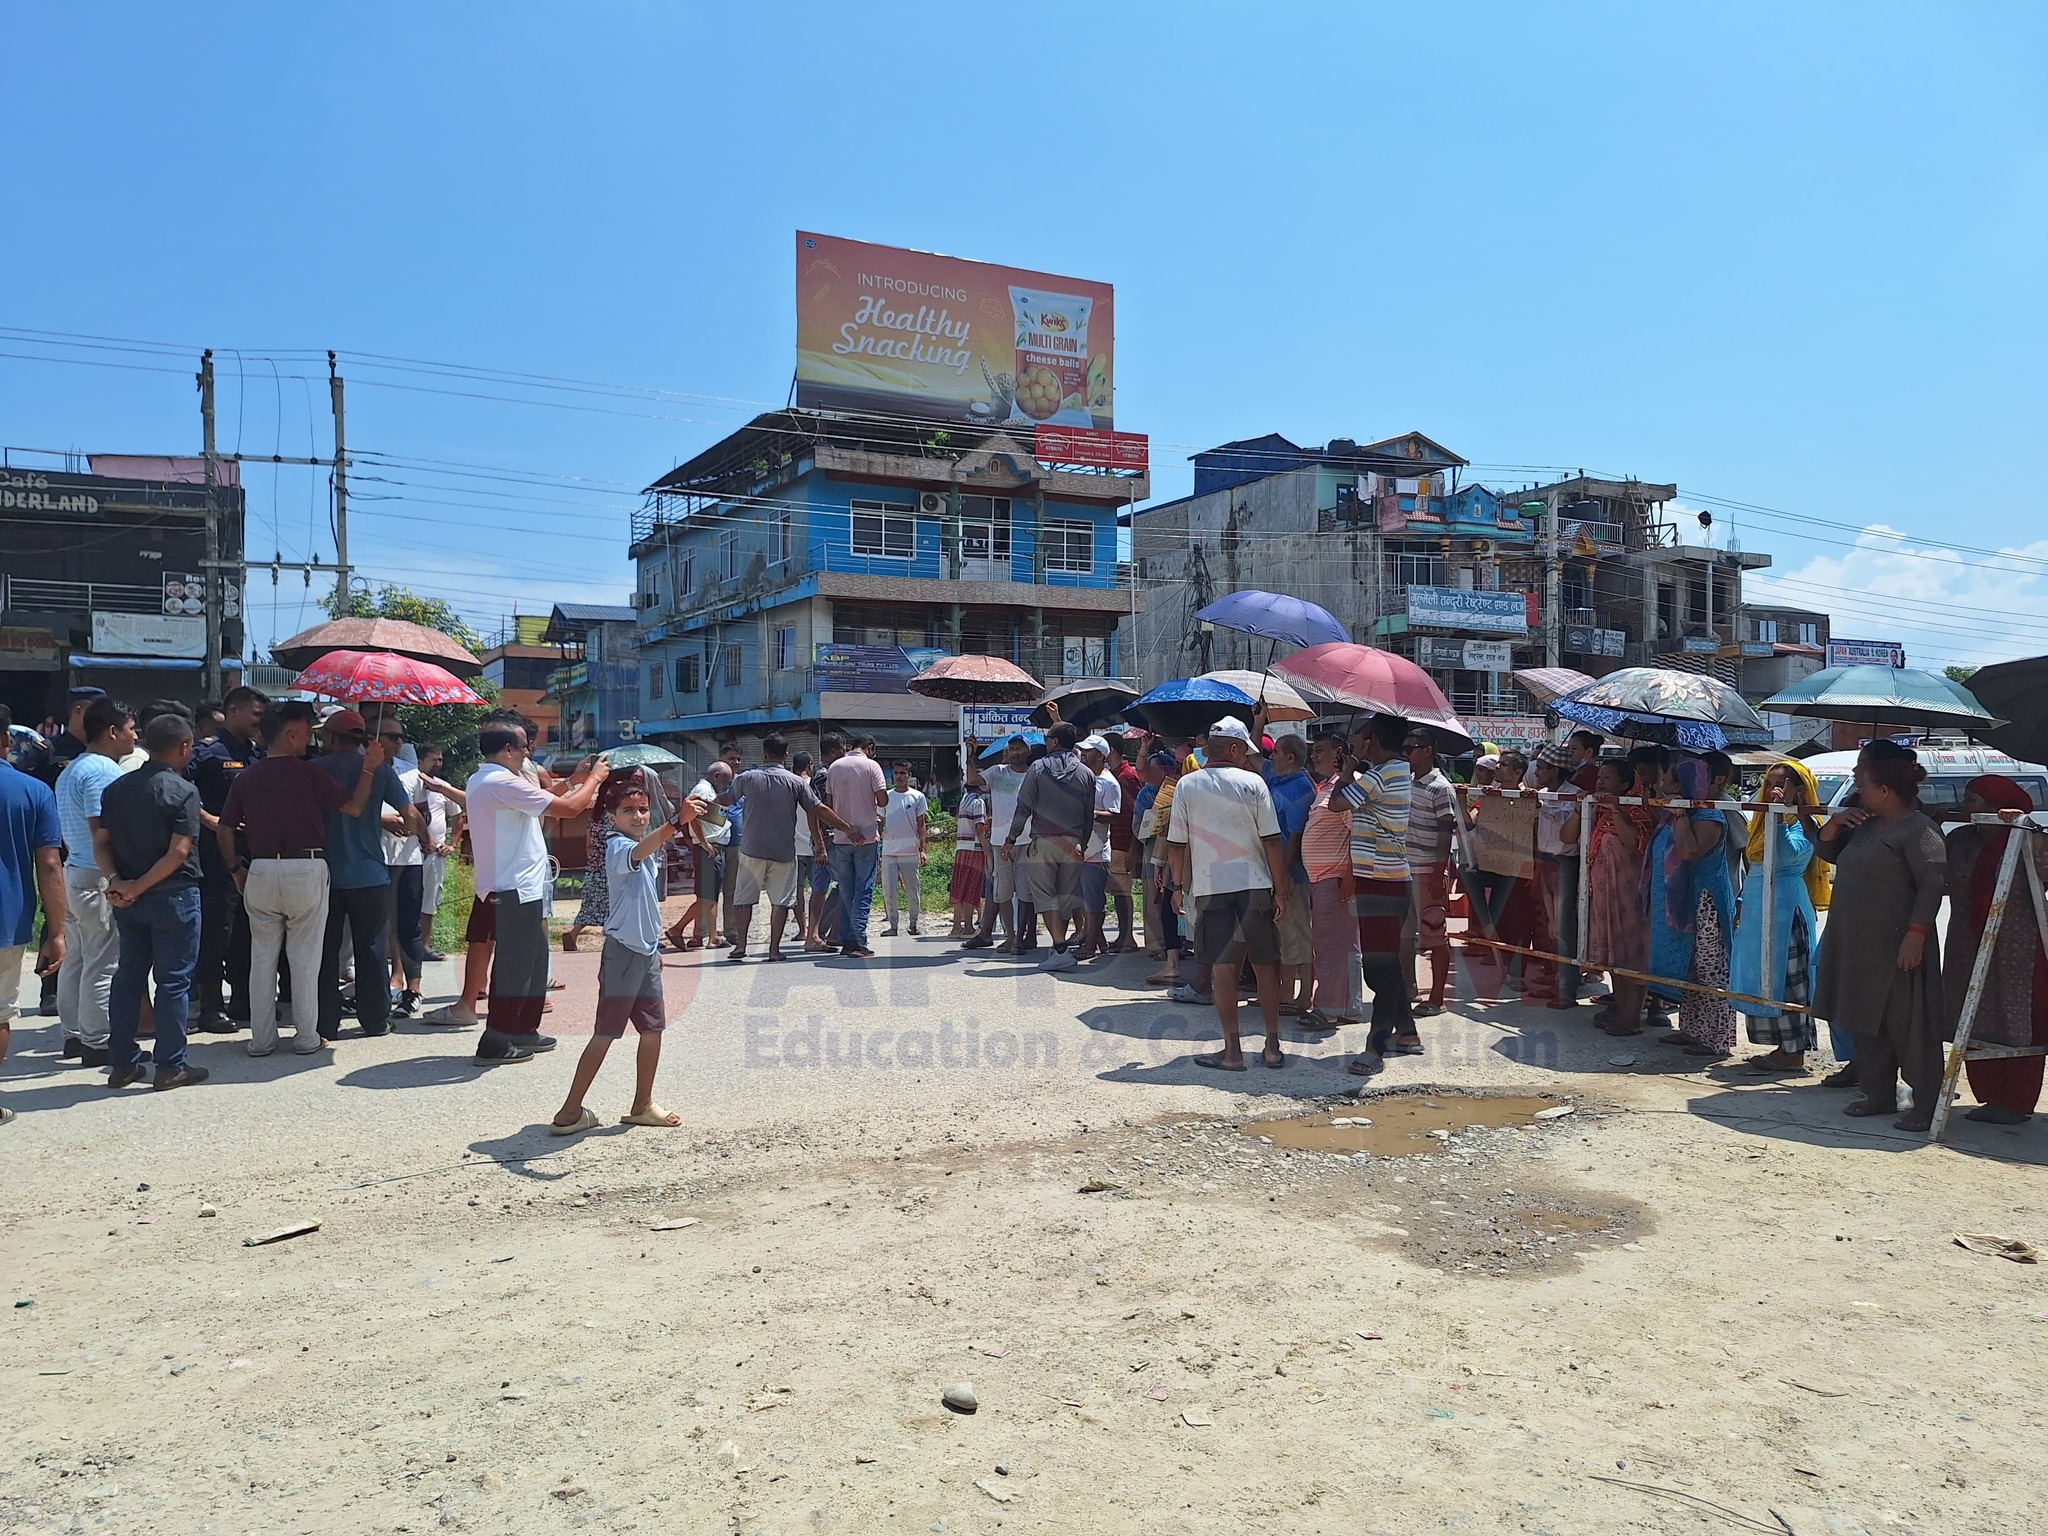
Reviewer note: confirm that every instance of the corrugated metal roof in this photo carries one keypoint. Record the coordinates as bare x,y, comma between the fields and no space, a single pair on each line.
592,613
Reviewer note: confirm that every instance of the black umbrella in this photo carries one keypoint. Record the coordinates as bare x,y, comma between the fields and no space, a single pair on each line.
1189,706
1086,702
2017,690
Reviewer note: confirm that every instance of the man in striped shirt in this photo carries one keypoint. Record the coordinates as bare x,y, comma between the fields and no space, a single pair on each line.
1378,791
1431,818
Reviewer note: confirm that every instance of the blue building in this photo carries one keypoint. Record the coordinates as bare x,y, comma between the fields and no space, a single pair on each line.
596,686
795,576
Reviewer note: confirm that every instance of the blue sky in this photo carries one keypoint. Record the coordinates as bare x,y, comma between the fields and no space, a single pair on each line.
1783,256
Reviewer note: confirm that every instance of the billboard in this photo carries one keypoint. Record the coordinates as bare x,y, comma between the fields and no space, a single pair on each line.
1499,613
899,332
1866,653
869,668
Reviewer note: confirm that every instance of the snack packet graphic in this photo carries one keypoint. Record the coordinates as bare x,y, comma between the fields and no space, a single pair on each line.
1052,353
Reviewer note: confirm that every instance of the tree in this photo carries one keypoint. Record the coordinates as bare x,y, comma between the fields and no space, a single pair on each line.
1959,674
451,727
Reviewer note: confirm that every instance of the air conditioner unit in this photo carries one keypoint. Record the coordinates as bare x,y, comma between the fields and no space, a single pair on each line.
643,599
931,503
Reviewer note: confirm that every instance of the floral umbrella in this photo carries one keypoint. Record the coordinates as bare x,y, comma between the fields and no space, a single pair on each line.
1659,693
977,680
382,677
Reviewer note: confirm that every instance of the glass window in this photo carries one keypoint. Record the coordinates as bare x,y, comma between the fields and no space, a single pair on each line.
1767,630
731,673
729,556
785,647
1809,634
883,531
686,675
686,575
654,681
785,537
1070,547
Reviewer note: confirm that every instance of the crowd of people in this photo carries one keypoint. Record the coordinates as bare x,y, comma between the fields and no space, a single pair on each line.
193,869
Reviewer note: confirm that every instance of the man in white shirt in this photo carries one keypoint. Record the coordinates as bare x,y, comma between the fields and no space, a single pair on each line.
1224,846
1005,780
405,871
1109,799
511,853
905,822
434,852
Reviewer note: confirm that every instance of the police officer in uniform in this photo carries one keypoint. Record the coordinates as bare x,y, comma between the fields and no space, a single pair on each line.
223,929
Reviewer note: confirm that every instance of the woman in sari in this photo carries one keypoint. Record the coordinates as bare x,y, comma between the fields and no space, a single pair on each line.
1691,907
1778,964
1617,936
2013,1009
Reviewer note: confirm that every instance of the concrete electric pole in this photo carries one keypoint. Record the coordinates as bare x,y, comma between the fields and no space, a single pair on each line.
210,682
341,573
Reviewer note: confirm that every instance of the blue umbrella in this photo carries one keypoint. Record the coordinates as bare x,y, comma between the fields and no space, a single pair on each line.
1190,705
1274,616
1001,744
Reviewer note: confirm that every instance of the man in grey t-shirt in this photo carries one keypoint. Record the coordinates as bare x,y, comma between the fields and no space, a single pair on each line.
774,798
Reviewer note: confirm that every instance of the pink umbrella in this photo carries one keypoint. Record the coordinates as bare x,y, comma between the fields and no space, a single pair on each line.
383,677
1365,678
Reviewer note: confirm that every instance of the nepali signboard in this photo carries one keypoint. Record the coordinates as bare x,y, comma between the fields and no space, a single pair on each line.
1497,613
1467,655
1866,653
869,668
900,332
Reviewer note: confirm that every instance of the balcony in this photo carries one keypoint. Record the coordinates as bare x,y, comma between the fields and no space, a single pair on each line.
20,593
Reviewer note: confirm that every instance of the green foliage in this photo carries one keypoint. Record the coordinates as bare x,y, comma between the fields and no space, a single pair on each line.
1959,674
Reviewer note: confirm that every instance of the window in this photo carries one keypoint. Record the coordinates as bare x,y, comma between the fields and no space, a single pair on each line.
654,681
1070,547
729,556
785,537
686,675
1409,568
1696,603
883,531
1767,631
729,671
686,576
785,647
1809,634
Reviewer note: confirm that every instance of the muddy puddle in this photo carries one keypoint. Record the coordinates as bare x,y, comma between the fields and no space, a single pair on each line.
1401,1125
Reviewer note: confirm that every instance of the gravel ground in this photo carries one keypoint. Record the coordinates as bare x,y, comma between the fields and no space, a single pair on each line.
935,1169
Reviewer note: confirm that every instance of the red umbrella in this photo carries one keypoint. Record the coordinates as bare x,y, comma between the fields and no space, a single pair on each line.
976,680
1365,678
382,677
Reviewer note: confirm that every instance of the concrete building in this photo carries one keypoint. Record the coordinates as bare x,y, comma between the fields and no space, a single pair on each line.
101,579
798,573
518,662
1464,579
595,688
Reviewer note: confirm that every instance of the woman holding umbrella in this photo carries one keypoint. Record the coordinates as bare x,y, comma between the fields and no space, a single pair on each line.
1799,884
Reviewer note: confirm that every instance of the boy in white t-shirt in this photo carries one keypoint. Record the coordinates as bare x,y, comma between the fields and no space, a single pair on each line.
1109,799
905,823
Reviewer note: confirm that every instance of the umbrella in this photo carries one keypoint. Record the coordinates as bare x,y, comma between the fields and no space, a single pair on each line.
1001,744
399,635
1365,678
1692,735
1280,699
1086,701
383,677
2019,691
1548,683
1883,696
1274,616
1189,706
640,754
976,680
1656,694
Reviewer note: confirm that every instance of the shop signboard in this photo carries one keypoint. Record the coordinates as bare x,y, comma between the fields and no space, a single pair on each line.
869,668
148,634
1467,655
1866,653
992,722
1585,640
1097,450
1500,613
909,333
1502,729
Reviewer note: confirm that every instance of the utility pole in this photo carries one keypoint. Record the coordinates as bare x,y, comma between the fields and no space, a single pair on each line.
340,493
1553,632
210,684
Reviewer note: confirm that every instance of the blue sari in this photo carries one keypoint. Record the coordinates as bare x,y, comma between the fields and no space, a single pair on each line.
1672,902
1760,959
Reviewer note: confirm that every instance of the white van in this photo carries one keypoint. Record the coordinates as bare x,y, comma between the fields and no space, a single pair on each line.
1949,765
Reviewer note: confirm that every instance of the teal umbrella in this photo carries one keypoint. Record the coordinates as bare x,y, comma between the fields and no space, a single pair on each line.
1883,696
640,754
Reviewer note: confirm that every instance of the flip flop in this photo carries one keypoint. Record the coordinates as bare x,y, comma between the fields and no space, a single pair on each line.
655,1116
1267,1061
1215,1063
1368,1065
737,954
587,1121
1766,1065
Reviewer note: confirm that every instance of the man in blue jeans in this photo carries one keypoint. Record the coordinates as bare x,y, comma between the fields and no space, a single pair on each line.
858,792
147,843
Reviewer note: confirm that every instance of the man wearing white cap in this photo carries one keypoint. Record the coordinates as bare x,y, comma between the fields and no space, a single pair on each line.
1109,799
1224,846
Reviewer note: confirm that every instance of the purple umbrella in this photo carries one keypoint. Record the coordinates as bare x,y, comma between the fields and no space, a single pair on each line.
1274,616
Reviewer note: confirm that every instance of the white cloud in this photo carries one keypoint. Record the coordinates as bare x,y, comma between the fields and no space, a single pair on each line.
1946,607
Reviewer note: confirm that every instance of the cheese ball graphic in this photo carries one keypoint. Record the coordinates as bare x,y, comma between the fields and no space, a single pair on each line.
1038,393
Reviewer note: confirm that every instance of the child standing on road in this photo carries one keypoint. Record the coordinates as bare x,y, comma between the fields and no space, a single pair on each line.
629,972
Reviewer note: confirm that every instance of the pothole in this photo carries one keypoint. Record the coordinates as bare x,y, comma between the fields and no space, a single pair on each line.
1405,1123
